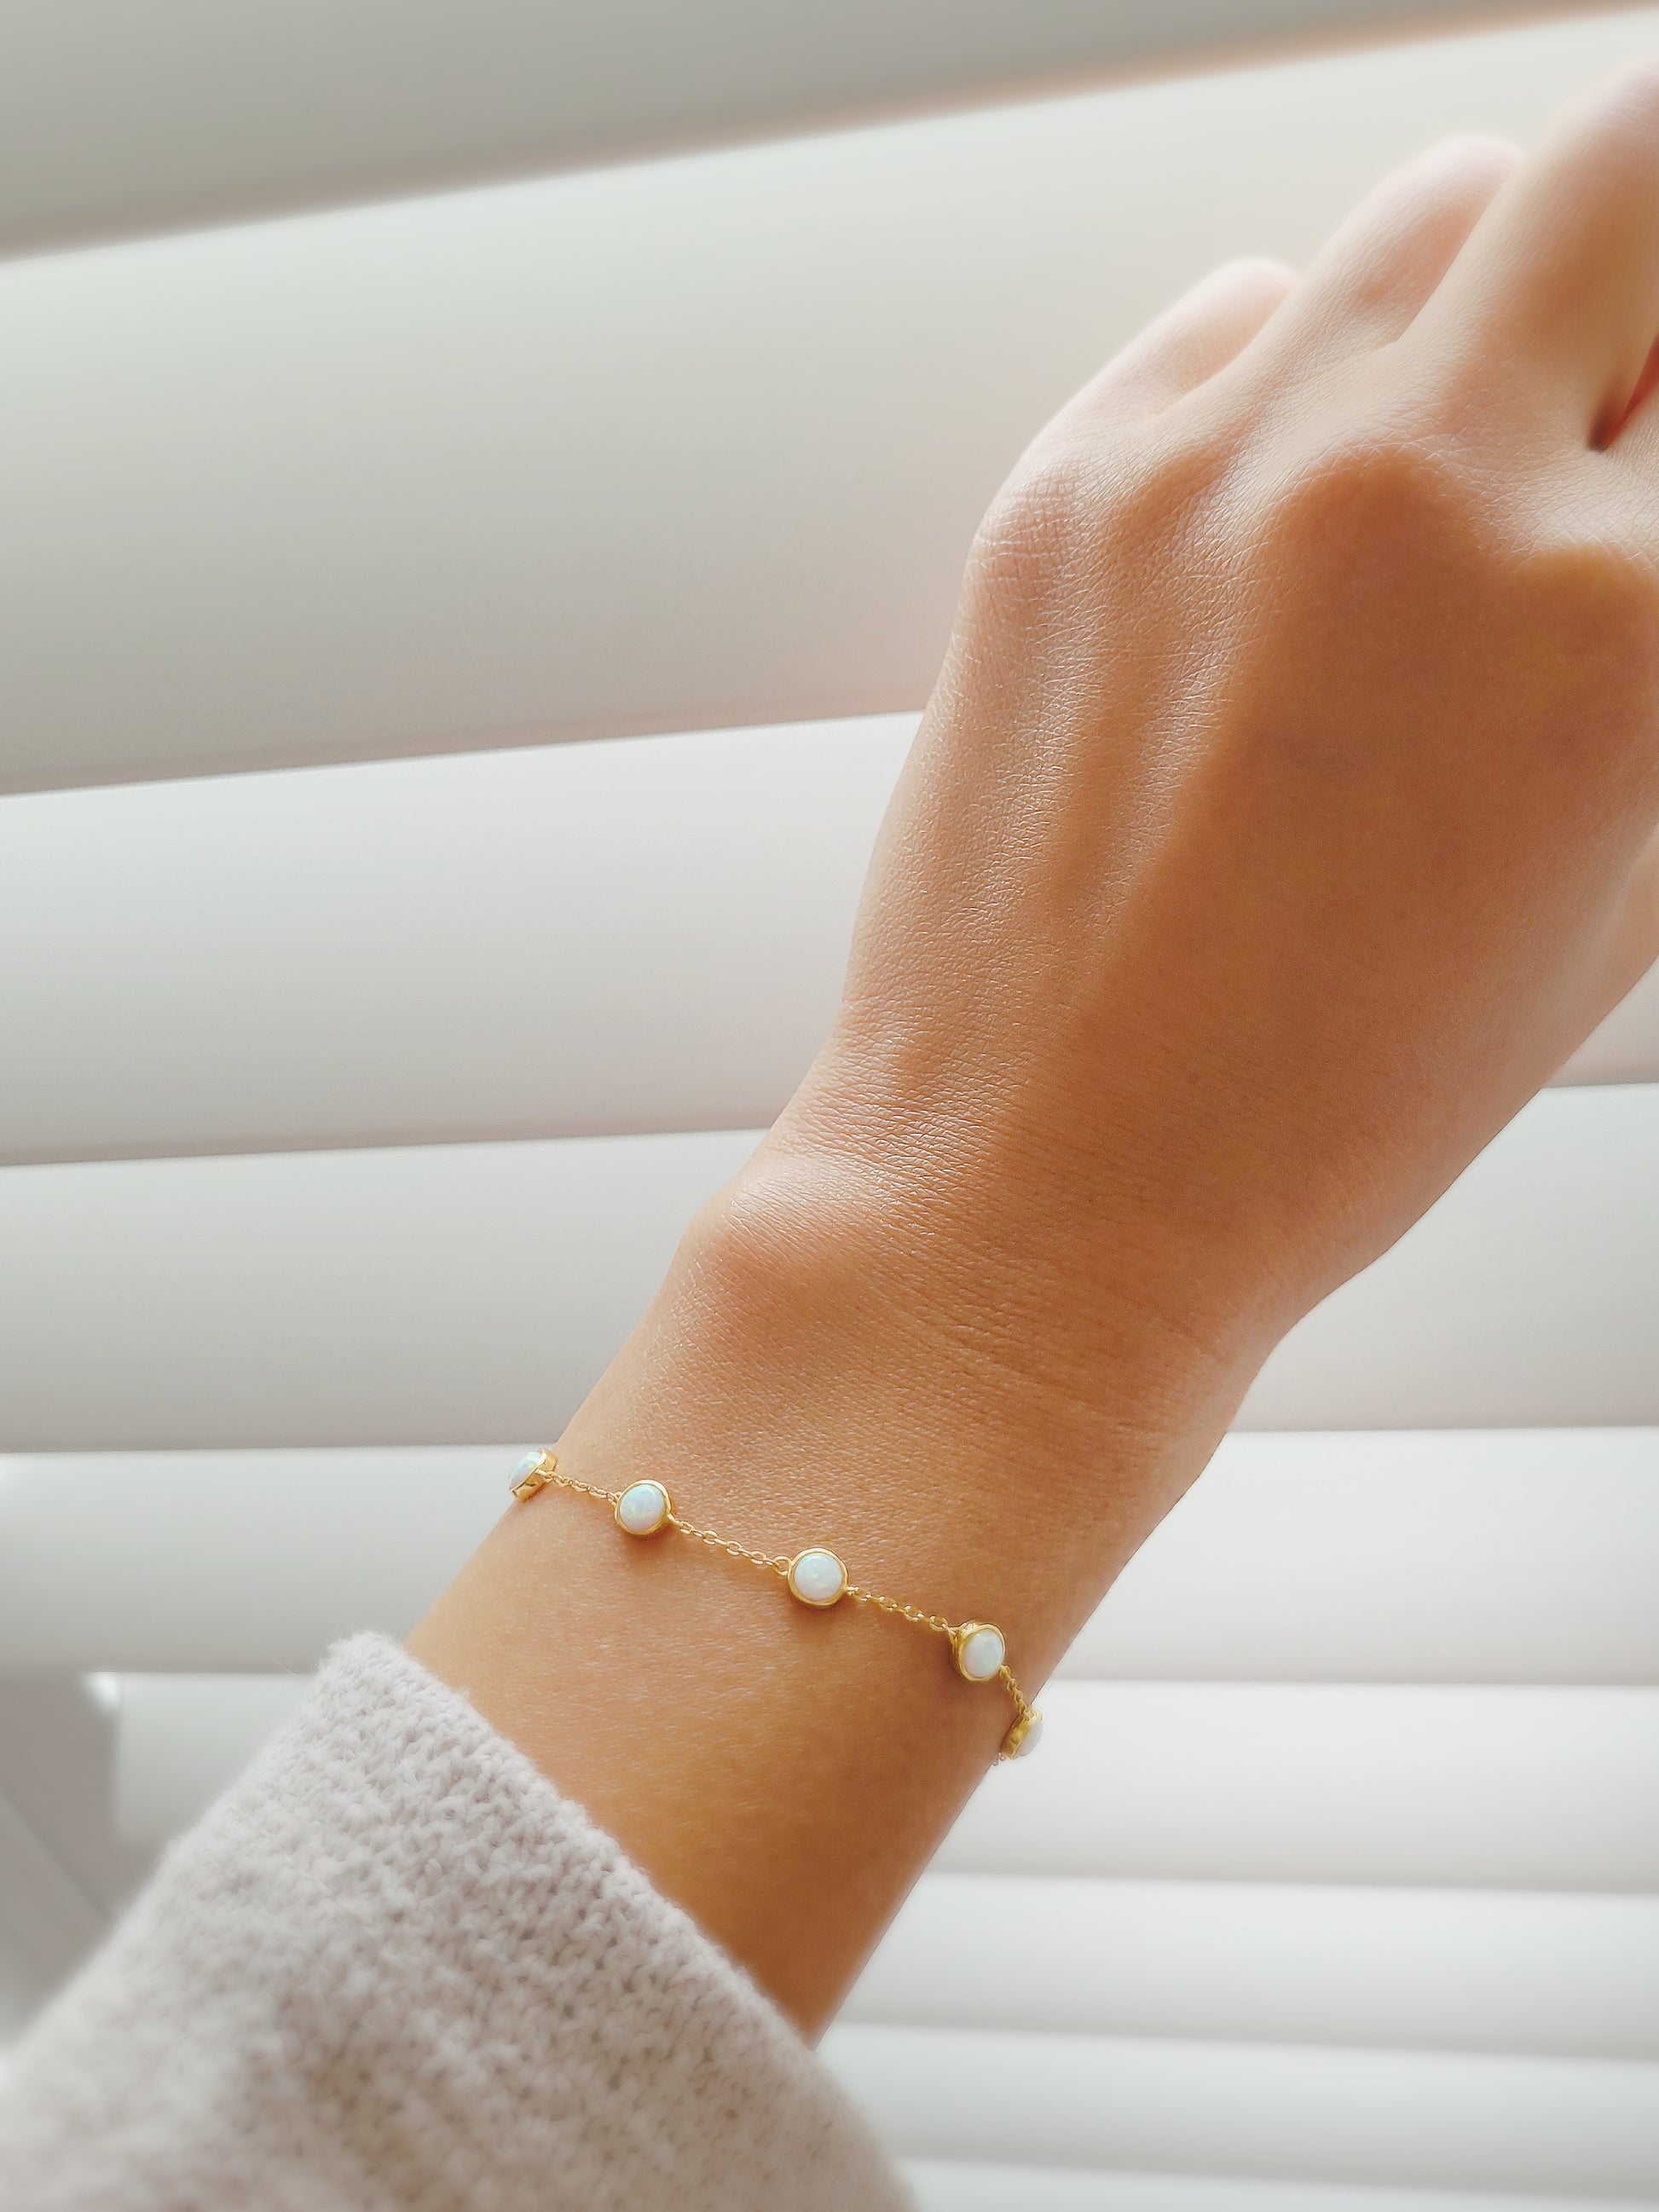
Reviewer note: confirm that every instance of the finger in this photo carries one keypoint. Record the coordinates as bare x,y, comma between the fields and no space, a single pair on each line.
1190,342
1559,283
1370,282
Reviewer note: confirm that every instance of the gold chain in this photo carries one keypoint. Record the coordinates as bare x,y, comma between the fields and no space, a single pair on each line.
540,1470
528,1486
934,1620
726,1544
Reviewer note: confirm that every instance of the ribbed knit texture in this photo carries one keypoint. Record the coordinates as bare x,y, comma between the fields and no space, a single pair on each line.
393,1969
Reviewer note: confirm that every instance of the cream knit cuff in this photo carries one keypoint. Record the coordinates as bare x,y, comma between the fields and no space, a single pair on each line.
392,1968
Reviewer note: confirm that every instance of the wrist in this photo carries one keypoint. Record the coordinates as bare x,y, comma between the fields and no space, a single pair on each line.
877,1347
821,1367
1053,1275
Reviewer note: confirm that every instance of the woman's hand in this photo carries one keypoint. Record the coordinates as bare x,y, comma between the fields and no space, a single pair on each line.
1281,820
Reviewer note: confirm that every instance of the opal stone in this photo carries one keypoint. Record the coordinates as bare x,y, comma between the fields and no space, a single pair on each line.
818,1577
530,1475
642,1509
1033,1736
980,1653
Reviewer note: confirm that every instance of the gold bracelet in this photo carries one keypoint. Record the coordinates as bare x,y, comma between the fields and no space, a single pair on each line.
816,1576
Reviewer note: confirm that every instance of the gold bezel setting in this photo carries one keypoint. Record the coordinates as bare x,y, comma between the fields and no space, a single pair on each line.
533,1472
959,1641
665,1515
817,1551
1024,1735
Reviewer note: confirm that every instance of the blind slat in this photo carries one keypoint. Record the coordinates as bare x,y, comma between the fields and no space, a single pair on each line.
1486,1788
1409,1969
682,445
1455,1556
1542,2126
951,2185
116,119
47,1922
588,939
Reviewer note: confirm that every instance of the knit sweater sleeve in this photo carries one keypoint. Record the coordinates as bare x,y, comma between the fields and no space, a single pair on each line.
393,1969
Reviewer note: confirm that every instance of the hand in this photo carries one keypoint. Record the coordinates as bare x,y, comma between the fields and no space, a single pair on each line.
1282,818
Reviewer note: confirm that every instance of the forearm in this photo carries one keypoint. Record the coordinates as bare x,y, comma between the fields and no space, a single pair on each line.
820,1367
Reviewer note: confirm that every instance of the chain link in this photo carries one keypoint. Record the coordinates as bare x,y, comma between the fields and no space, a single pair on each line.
570,1482
729,1545
936,1621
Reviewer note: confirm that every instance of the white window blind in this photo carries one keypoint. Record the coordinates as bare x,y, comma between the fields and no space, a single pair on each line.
1336,1887
700,444
191,113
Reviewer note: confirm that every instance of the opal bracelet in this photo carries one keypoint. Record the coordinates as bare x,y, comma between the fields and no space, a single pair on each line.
814,1576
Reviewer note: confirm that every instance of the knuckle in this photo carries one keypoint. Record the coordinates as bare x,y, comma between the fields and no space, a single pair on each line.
1628,106
1419,496
1081,505
1051,504
1261,273
1414,503
1474,156
1584,623
1601,590
1378,486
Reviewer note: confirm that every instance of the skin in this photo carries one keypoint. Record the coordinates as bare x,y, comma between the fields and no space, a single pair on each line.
1284,816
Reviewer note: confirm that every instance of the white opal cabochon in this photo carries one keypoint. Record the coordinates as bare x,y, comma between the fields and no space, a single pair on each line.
818,1577
642,1508
982,1654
